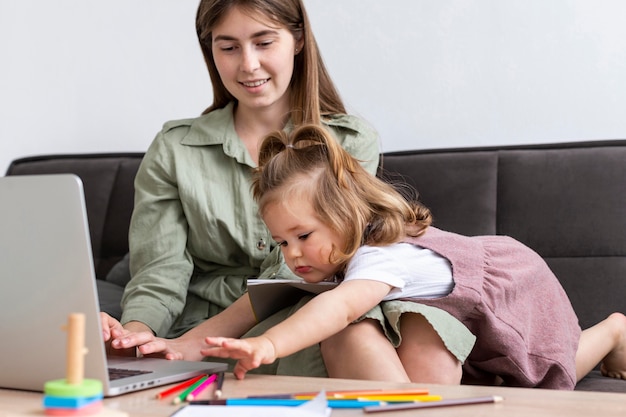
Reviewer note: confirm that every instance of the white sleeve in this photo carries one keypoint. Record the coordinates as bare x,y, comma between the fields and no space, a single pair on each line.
412,271
376,263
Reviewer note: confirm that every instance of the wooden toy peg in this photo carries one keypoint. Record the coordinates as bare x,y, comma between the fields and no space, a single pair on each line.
76,351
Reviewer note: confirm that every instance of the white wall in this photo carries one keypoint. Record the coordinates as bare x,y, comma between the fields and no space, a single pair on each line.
99,76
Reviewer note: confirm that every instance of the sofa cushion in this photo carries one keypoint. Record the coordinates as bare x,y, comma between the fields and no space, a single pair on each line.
460,188
569,205
561,202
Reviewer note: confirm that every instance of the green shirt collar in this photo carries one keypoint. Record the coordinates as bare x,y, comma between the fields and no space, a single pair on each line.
214,128
218,128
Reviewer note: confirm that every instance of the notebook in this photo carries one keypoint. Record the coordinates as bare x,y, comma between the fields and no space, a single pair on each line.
268,296
47,273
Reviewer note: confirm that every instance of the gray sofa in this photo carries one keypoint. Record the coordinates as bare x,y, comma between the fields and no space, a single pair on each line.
567,201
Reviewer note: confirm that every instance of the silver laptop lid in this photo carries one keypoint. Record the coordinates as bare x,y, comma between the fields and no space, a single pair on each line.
46,273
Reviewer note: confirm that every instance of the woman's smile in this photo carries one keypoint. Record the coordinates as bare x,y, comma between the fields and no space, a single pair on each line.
254,83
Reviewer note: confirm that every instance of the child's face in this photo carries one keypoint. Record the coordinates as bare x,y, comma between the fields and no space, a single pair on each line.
305,241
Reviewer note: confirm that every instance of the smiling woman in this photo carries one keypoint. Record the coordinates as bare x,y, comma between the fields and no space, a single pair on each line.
196,235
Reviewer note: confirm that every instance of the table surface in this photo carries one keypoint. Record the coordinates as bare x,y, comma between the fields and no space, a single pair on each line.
517,401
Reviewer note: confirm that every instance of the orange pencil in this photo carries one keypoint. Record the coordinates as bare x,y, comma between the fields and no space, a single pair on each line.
365,393
180,387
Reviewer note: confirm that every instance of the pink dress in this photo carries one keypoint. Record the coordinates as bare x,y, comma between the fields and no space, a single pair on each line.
526,330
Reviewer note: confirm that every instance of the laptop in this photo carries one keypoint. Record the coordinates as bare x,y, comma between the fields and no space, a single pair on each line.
47,273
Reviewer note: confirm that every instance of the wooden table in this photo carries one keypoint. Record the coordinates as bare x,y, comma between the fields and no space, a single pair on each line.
517,401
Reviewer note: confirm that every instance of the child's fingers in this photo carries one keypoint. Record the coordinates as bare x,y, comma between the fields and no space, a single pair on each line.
215,341
217,352
246,364
225,352
239,371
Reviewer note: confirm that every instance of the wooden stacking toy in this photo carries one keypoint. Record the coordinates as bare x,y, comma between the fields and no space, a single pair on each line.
74,395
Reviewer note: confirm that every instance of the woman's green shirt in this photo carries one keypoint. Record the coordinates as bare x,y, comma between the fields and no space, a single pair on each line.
195,235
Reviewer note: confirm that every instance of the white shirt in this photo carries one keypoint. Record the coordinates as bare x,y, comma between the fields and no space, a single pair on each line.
414,272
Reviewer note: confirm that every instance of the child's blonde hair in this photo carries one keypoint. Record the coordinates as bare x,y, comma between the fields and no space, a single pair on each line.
309,163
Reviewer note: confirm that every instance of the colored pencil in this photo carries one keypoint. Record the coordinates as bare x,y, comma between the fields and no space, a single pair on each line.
183,396
400,398
348,394
286,402
179,387
382,397
365,393
443,403
219,385
205,383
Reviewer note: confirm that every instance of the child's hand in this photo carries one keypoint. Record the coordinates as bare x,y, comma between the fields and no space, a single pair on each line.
251,352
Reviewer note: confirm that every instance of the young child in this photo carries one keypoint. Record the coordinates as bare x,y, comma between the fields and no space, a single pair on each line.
334,221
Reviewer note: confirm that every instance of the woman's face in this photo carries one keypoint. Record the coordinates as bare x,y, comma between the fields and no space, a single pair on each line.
255,60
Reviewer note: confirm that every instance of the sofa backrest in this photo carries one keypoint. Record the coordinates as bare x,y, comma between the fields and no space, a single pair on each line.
109,190
566,201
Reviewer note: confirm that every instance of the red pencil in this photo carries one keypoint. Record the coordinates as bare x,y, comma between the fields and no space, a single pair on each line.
180,387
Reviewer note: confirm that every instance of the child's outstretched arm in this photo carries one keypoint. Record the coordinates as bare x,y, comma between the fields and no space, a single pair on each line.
234,321
325,315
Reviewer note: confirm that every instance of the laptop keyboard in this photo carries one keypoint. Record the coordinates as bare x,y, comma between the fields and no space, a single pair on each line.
118,373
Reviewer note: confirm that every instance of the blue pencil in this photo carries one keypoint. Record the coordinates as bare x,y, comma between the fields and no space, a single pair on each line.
288,402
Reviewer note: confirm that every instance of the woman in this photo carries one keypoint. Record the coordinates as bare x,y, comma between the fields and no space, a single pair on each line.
196,236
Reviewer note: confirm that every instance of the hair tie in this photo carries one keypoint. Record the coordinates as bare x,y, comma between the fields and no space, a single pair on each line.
289,145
